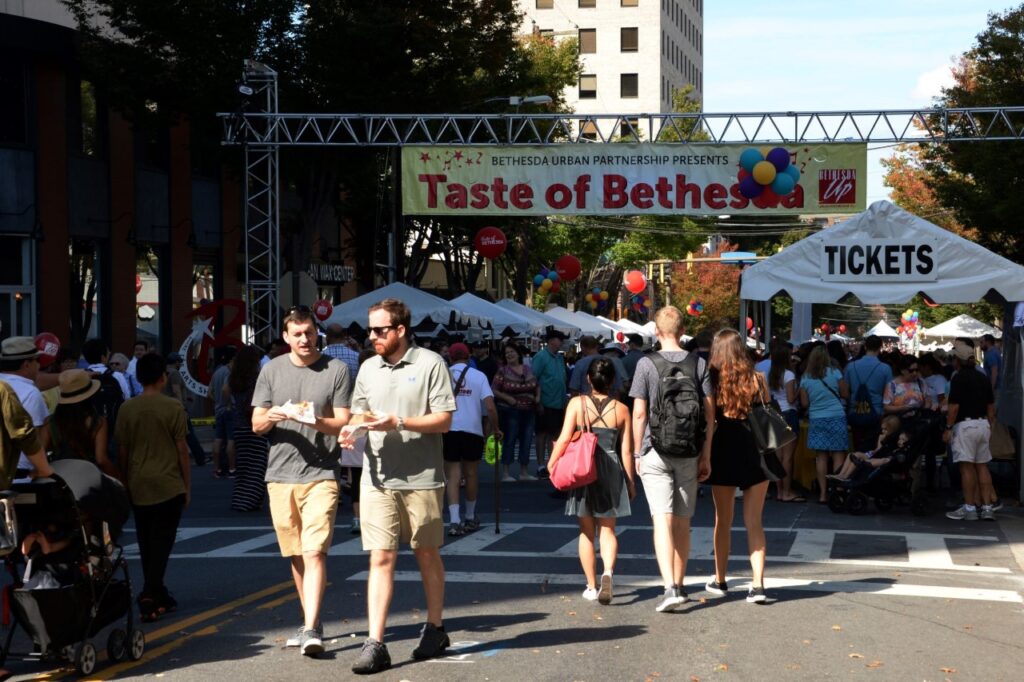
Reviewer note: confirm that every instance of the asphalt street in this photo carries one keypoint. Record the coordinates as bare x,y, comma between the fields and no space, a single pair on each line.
887,596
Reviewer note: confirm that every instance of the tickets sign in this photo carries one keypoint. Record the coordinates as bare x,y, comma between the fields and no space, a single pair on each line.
634,179
879,260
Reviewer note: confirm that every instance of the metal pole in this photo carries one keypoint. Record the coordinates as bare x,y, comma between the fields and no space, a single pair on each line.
394,238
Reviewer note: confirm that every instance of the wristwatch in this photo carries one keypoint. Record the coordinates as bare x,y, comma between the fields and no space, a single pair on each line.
400,424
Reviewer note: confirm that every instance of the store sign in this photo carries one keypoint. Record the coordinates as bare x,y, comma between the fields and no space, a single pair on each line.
331,273
634,179
879,260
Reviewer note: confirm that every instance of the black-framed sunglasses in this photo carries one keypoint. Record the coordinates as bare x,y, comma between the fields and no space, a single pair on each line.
382,331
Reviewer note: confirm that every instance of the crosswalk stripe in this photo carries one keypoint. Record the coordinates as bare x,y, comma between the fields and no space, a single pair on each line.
739,586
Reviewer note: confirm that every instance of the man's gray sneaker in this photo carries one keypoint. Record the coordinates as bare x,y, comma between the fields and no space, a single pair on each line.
963,514
296,639
374,658
715,588
433,641
311,643
672,598
987,514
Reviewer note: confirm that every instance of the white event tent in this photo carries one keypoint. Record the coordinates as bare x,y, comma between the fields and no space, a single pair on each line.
588,324
505,320
883,330
425,308
960,326
540,318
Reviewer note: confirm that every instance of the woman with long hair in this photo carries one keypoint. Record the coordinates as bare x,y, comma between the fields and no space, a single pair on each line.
782,385
735,462
822,391
907,392
596,506
250,449
516,394
77,430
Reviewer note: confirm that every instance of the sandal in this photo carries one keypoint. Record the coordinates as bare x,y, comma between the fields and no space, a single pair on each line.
149,611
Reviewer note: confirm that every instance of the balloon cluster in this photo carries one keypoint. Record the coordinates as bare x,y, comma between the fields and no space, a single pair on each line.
597,299
771,171
694,308
641,303
826,329
909,326
547,282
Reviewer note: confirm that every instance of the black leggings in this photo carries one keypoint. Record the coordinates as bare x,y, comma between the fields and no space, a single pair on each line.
156,526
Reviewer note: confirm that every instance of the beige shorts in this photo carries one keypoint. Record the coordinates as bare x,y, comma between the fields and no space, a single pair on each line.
303,515
389,517
970,441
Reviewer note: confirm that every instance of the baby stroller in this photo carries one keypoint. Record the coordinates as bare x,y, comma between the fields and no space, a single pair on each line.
72,581
897,481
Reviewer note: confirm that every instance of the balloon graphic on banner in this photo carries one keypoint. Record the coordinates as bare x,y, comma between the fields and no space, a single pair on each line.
490,242
767,175
322,309
568,268
635,281
49,348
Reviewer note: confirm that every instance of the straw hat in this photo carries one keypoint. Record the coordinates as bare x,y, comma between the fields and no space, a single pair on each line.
18,348
75,386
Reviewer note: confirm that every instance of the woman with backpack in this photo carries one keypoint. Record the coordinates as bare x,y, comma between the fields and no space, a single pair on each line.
596,506
822,391
735,462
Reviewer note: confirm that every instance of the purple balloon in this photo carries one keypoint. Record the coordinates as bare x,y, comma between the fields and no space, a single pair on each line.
779,158
750,188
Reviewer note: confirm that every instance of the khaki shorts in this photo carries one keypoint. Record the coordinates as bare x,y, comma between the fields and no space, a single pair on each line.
303,515
389,517
670,483
970,441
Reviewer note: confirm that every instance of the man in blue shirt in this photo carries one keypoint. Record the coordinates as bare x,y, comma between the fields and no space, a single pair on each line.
549,368
993,360
876,375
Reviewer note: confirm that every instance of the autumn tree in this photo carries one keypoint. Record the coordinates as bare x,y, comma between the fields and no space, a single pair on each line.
715,285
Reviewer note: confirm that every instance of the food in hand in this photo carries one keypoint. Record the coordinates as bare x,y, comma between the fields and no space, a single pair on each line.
301,411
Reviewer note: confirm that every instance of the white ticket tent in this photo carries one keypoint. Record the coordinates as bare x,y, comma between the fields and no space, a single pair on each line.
567,328
889,255
960,326
505,320
882,330
425,308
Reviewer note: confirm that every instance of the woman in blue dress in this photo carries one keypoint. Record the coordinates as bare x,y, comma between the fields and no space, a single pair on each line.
596,506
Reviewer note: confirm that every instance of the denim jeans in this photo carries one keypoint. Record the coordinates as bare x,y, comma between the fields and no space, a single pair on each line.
518,426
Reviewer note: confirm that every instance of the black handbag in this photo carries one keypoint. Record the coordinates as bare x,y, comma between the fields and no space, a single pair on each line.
770,432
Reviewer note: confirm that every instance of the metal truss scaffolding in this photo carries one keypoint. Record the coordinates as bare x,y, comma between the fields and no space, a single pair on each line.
387,130
262,203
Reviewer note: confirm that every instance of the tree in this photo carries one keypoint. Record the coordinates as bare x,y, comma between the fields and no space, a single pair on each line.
715,285
980,182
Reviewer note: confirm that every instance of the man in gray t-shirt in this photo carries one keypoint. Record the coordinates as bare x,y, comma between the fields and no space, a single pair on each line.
670,483
300,403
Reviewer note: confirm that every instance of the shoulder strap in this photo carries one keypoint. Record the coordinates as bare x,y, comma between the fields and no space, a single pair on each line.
601,407
830,389
585,426
461,381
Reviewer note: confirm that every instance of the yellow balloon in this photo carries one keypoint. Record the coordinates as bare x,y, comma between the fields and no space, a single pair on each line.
764,172
604,295
546,284
589,298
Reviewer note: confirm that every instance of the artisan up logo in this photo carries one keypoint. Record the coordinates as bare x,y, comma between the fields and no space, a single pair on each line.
837,186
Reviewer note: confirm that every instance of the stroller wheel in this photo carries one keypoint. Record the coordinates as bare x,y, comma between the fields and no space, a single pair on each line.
137,645
837,500
857,503
117,645
883,503
85,658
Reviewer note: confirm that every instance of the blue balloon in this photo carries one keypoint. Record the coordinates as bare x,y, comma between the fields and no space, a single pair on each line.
779,158
553,276
544,271
751,188
783,184
795,172
596,290
537,279
750,158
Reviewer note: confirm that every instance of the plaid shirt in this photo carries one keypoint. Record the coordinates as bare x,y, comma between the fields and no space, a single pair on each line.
340,351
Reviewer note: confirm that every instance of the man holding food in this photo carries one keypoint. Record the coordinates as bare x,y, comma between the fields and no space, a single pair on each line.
300,403
404,399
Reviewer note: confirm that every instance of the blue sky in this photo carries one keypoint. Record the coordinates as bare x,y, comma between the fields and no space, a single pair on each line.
826,55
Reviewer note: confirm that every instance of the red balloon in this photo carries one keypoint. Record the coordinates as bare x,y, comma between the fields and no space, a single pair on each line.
750,324
322,309
842,329
490,242
555,287
138,284
49,347
568,268
824,327
635,281
620,337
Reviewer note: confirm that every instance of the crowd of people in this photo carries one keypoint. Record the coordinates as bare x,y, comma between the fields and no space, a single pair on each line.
401,429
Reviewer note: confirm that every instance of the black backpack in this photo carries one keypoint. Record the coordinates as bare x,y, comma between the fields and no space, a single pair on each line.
108,398
677,414
861,412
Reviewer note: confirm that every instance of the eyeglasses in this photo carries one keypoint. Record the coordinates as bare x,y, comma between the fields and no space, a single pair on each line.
382,331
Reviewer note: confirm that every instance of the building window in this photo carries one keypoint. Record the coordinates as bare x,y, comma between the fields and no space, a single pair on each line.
630,39
545,4
629,128
629,85
588,3
12,104
630,3
588,86
589,131
588,40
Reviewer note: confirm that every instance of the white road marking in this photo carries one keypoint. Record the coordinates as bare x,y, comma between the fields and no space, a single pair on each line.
697,585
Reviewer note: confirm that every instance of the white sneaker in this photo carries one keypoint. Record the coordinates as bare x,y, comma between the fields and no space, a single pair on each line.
986,514
508,479
672,598
590,594
604,595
